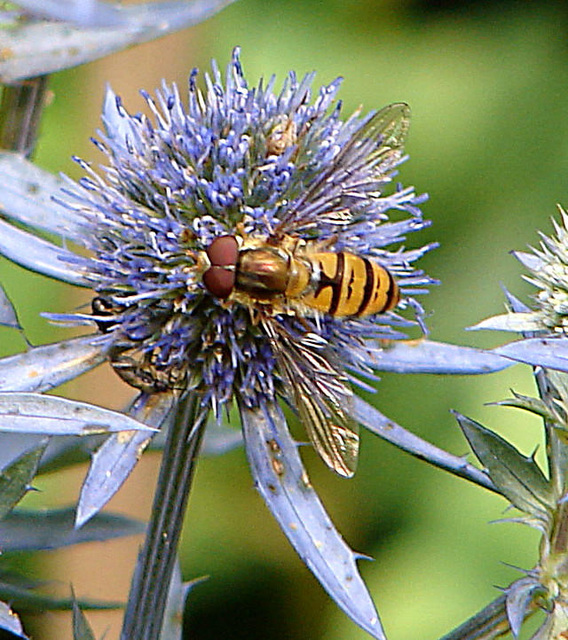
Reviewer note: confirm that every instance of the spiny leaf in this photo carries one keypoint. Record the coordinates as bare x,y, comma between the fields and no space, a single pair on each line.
543,352
115,459
64,452
39,255
39,530
16,478
517,477
517,322
516,305
25,600
385,428
282,481
112,463
29,194
428,356
51,415
533,405
45,367
39,47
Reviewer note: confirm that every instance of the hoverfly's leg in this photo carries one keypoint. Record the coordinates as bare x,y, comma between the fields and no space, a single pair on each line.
255,316
305,324
187,237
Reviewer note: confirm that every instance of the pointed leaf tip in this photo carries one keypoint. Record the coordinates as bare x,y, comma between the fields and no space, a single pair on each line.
114,460
53,415
81,628
16,478
516,305
529,260
532,405
112,463
8,317
282,481
517,477
515,322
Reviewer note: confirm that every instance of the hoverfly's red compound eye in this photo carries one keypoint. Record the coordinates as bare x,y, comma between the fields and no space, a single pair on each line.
223,254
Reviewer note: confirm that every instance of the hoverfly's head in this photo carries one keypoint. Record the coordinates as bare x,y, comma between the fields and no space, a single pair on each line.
222,256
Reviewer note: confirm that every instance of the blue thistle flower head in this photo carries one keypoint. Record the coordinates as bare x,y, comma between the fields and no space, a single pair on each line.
244,245
280,177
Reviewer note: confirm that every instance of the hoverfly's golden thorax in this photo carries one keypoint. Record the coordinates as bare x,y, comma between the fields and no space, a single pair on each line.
264,272
272,272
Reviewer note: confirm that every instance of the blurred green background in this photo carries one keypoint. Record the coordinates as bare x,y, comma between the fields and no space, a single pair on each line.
487,83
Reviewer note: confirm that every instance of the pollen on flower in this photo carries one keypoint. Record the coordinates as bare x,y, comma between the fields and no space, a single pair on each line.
241,245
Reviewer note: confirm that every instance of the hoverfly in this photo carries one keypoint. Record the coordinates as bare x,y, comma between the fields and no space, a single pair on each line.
282,274
294,274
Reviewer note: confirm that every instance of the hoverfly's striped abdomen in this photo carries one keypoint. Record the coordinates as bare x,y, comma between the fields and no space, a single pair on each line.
340,284
349,285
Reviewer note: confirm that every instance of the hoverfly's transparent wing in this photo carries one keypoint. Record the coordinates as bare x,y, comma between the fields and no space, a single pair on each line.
361,167
316,388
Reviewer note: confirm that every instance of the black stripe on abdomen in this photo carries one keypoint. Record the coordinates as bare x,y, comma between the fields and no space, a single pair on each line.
392,292
369,288
336,283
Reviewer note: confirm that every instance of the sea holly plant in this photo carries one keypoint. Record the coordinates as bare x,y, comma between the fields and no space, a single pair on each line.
244,247
539,496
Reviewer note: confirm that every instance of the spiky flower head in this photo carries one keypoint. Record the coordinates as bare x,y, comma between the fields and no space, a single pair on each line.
549,268
263,167
548,315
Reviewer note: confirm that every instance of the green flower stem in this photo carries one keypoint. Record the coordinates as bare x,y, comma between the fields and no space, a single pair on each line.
554,556
20,113
555,449
491,622
147,601
559,538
